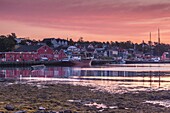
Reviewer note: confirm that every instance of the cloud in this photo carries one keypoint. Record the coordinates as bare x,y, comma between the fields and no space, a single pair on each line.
97,17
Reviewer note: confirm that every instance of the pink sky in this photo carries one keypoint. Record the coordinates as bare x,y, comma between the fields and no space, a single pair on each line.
100,20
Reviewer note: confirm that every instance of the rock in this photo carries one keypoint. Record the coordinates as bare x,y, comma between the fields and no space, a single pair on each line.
9,107
20,112
60,112
121,107
67,111
41,108
53,112
40,111
37,112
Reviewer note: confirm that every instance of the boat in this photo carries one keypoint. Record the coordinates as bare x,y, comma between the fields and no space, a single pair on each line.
102,62
82,63
38,67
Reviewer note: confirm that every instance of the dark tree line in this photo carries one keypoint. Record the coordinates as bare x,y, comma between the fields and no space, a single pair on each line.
7,43
153,48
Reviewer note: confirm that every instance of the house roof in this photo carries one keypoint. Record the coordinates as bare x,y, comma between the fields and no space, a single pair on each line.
72,47
28,48
90,50
49,39
60,47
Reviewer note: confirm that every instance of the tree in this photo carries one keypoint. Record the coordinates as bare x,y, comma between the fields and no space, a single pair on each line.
13,35
71,42
80,39
7,43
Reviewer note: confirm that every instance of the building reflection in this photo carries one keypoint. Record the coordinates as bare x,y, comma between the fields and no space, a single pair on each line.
27,72
66,72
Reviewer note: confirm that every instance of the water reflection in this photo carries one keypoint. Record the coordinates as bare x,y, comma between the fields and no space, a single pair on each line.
100,75
67,72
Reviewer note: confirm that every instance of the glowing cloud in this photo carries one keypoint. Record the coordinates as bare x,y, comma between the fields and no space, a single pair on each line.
102,20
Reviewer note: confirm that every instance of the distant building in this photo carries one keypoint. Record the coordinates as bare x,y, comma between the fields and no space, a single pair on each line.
18,40
165,56
52,42
73,49
99,52
90,46
90,52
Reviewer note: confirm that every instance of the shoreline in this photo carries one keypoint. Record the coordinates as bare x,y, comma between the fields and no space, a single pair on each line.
30,63
34,97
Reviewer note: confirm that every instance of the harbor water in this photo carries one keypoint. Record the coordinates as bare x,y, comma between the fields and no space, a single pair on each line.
112,78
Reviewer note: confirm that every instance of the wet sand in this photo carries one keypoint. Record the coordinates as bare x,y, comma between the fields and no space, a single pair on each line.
46,97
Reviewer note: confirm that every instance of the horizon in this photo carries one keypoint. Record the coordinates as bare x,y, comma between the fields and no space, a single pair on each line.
68,39
97,20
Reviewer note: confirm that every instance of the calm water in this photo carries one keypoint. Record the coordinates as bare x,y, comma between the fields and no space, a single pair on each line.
110,78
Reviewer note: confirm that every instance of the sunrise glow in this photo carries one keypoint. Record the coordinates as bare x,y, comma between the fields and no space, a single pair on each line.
99,20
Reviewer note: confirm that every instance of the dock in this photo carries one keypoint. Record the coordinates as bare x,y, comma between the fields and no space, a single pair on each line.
30,63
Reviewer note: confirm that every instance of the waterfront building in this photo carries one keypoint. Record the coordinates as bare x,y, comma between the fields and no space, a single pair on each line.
165,56
30,53
60,55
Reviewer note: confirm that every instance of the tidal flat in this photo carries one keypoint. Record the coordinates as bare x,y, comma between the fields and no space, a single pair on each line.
47,97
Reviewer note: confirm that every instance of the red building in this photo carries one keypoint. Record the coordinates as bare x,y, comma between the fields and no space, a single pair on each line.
56,55
30,53
59,55
165,56
50,72
2,56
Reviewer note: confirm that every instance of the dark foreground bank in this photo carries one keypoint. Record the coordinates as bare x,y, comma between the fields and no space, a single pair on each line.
64,98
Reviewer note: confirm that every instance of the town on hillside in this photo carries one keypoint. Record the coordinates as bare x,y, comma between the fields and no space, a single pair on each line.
17,49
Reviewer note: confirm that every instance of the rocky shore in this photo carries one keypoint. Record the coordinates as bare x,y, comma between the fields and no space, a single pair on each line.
21,97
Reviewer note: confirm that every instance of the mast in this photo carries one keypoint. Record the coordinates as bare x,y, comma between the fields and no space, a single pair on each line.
150,43
159,42
150,37
159,36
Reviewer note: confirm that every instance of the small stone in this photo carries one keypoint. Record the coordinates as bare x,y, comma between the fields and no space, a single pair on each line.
40,111
67,111
9,107
60,112
37,112
41,108
20,112
121,107
53,112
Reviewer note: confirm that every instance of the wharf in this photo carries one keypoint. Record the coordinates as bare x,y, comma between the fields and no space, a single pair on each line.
102,62
30,63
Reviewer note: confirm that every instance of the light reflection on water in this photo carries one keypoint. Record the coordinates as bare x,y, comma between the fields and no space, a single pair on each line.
109,78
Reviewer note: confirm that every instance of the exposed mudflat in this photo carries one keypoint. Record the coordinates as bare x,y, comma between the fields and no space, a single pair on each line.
47,97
